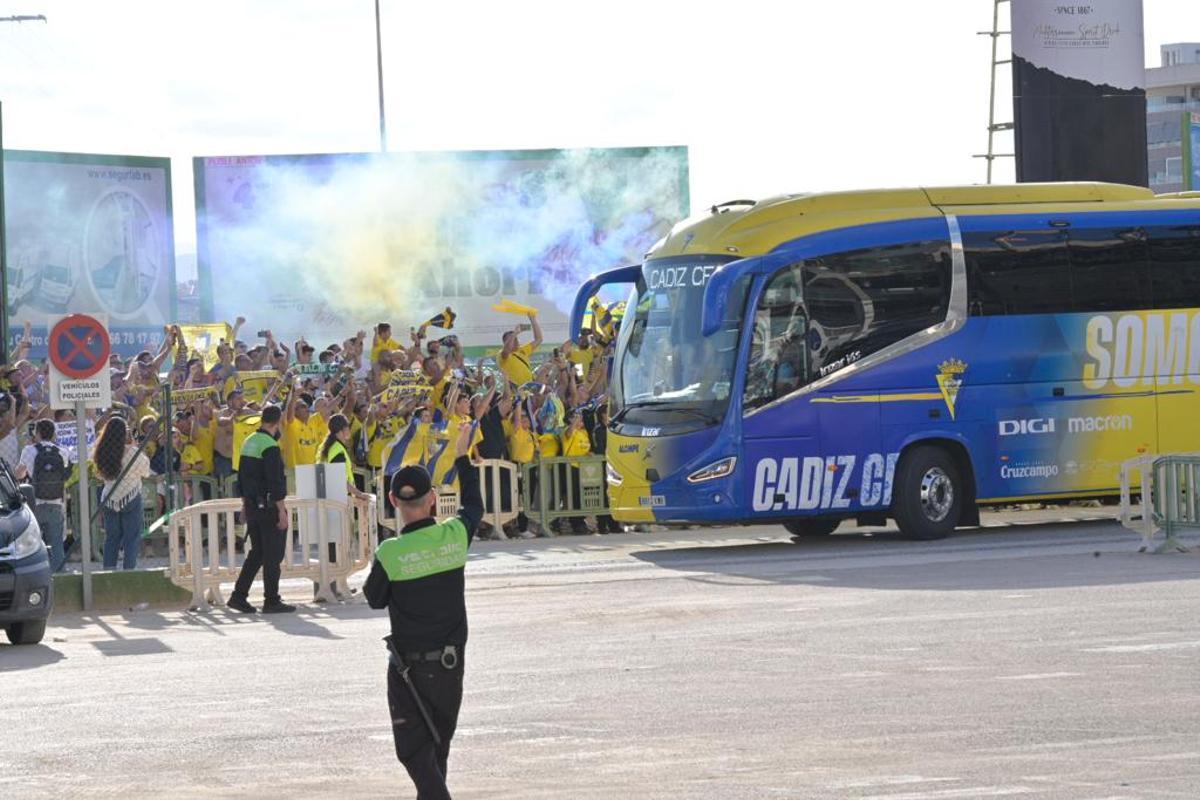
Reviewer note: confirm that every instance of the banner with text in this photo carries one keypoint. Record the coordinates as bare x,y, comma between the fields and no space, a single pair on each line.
89,234
1079,92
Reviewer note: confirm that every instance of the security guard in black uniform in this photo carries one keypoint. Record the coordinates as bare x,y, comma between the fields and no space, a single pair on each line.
418,577
264,486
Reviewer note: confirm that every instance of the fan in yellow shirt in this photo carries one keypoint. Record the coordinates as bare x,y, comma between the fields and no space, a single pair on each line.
382,341
303,431
522,443
514,358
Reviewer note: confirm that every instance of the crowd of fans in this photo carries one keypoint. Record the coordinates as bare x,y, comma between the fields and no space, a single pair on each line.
391,400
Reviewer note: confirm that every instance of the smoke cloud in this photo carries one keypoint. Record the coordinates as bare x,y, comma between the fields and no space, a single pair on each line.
324,245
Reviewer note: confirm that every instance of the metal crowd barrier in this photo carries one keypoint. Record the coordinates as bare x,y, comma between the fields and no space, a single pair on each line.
504,501
202,545
562,488
1170,497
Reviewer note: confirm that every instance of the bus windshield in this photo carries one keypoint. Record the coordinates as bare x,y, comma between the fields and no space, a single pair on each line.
666,371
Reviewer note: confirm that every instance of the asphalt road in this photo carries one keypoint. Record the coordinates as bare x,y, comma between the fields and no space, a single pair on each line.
1050,661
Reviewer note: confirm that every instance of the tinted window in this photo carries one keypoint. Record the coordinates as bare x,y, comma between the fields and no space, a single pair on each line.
820,315
1175,265
1109,269
1018,272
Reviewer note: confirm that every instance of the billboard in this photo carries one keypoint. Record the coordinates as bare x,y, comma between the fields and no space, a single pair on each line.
89,234
1079,91
324,245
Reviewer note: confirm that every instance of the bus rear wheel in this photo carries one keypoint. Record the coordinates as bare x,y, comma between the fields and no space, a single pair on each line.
811,528
928,496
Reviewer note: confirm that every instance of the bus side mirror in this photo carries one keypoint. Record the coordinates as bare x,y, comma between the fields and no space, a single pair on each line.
592,285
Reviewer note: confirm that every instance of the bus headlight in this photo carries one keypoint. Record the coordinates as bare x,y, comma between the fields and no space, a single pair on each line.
612,476
717,469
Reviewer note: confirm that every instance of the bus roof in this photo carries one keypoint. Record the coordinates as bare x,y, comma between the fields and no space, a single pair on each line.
746,228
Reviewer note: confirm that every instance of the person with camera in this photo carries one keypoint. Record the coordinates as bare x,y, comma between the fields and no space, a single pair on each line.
419,577
515,358
264,487
47,466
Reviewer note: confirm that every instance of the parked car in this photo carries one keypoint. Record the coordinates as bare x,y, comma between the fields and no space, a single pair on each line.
26,588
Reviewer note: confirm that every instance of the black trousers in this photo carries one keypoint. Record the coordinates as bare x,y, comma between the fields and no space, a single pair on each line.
441,689
267,547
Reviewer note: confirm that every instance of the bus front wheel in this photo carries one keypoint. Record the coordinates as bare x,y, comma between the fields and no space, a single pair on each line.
811,527
929,493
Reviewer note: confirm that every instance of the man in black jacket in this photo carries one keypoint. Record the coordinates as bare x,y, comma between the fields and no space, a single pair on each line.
264,486
418,577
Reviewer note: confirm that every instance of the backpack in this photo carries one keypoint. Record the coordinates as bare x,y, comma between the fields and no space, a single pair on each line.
49,473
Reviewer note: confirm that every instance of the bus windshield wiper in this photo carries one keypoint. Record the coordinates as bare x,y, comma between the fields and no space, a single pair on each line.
669,408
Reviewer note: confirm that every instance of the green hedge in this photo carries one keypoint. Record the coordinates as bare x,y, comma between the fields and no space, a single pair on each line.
118,591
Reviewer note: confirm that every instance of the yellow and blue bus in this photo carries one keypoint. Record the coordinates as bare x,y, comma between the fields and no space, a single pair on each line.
904,354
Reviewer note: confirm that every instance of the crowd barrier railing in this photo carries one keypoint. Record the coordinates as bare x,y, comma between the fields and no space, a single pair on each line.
203,539
546,490
1170,497
564,487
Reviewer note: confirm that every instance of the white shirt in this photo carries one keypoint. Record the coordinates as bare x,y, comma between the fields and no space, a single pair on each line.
29,456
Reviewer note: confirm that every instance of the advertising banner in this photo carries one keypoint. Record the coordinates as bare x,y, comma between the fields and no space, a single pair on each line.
89,234
1079,91
321,246
1191,146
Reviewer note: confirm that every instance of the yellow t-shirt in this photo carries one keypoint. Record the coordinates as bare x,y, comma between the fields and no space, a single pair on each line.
516,366
381,435
190,459
576,443
454,424
381,345
243,426
521,445
583,357
303,440
548,444
203,439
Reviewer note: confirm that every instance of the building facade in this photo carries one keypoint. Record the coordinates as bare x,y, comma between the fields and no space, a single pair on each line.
1172,96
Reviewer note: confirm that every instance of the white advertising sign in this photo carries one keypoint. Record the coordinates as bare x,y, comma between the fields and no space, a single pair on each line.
1100,42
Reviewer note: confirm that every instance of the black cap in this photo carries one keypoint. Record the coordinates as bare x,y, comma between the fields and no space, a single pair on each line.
411,482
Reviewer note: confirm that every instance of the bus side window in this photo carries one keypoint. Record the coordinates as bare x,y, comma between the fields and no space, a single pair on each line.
1109,269
1175,265
1018,272
864,300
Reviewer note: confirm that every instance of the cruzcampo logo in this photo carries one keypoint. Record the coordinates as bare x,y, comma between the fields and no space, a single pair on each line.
949,380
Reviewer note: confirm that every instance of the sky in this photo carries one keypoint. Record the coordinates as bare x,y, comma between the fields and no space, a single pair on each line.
770,97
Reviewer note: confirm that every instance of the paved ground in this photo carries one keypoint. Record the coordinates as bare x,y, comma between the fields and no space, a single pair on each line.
1036,662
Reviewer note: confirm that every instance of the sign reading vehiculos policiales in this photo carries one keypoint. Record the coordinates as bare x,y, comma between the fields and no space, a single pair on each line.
79,349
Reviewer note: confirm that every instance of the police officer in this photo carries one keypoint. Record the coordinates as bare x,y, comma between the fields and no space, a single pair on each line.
264,486
418,577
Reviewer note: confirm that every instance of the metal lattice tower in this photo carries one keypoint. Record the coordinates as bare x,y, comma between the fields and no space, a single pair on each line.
993,126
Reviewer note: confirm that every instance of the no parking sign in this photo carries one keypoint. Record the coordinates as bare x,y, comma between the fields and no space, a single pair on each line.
79,349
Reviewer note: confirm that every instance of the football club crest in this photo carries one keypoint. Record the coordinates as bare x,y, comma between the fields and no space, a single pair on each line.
949,380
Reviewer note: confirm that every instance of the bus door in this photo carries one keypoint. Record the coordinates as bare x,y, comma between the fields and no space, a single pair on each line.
780,436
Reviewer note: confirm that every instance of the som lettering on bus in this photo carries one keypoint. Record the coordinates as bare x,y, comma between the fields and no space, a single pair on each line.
1137,349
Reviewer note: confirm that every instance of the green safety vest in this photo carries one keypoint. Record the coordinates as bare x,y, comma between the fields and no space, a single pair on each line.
441,547
334,449
258,443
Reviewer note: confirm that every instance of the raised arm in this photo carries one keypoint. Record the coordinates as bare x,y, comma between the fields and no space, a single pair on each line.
537,331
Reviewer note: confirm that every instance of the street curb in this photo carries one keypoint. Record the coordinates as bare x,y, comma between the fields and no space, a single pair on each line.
118,591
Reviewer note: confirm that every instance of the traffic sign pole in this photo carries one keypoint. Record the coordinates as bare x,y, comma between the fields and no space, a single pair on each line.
85,513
